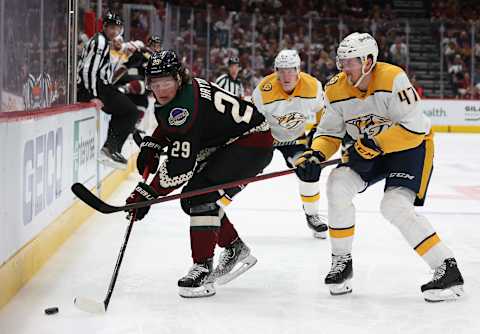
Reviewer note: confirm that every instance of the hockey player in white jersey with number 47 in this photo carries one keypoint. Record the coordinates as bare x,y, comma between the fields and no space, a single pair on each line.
376,106
292,101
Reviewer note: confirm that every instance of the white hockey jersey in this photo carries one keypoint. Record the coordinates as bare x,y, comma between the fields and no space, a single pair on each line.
388,112
289,115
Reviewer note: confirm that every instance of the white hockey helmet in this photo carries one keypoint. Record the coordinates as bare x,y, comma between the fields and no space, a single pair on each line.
358,45
287,58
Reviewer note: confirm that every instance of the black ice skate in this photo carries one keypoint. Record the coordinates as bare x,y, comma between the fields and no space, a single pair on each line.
236,253
194,283
339,278
447,283
113,159
318,225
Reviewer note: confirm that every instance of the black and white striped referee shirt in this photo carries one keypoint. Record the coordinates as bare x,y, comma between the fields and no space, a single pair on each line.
234,86
95,64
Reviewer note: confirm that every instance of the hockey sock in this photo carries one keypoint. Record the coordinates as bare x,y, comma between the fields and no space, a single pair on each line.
227,233
397,207
310,195
203,237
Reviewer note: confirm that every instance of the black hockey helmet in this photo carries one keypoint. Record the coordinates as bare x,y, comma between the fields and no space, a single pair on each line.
154,39
233,60
113,19
162,64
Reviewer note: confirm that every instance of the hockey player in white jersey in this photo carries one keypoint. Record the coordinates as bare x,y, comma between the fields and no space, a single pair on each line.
376,106
292,102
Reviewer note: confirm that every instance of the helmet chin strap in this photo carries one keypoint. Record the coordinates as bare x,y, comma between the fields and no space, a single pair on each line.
364,74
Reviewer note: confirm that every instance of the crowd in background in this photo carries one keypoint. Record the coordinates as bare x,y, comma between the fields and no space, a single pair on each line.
314,28
36,62
253,30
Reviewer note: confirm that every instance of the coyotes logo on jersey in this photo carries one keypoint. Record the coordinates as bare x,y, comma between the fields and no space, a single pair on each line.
291,120
370,124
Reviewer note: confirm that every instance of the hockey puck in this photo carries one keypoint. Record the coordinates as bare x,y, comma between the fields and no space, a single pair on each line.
51,310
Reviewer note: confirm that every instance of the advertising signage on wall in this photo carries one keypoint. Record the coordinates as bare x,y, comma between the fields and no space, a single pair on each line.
452,112
42,172
84,150
38,159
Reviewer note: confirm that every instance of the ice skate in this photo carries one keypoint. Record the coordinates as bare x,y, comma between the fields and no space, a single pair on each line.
112,159
195,283
339,278
236,253
446,284
318,225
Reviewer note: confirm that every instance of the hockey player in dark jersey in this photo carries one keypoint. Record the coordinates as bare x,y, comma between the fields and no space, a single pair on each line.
129,78
212,137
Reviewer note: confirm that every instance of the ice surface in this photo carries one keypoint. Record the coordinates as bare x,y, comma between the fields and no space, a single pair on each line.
284,292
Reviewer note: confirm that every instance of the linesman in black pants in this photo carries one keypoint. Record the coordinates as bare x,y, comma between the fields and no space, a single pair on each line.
95,72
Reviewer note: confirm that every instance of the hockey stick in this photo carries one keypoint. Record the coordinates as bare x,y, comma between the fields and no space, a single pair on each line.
92,306
289,143
137,138
96,203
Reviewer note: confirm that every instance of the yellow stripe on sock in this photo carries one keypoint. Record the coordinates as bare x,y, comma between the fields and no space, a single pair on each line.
423,247
310,199
341,232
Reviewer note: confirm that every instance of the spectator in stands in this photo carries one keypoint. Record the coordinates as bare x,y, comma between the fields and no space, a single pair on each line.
456,70
399,53
464,85
417,86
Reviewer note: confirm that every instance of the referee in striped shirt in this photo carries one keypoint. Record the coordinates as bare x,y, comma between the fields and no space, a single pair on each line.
95,72
230,81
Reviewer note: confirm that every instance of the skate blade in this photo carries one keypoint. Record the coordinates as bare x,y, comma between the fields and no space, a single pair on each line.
246,264
441,295
320,235
205,290
340,289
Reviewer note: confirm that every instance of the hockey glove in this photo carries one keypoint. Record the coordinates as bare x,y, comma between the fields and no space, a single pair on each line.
308,166
150,151
142,192
361,155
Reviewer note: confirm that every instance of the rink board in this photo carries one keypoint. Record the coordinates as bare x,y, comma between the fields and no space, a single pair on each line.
43,153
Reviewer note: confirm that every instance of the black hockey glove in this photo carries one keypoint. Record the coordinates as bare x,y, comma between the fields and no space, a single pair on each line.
308,166
149,156
361,155
143,192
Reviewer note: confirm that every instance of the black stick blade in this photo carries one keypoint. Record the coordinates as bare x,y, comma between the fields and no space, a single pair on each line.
91,200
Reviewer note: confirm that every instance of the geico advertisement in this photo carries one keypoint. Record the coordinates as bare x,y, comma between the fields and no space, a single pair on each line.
42,172
41,159
452,112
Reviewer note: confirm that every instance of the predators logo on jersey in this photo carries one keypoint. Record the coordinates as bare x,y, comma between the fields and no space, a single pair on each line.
291,120
370,124
333,80
267,87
